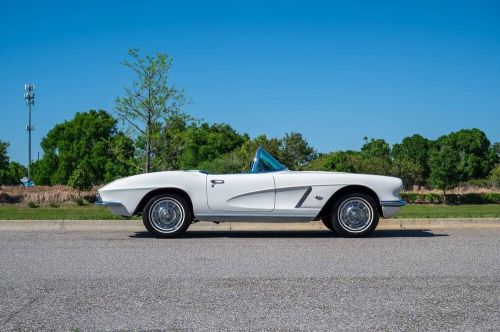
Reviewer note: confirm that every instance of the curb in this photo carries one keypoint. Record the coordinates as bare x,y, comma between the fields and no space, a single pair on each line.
136,225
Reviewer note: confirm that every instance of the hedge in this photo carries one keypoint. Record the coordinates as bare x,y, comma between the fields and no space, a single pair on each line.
437,198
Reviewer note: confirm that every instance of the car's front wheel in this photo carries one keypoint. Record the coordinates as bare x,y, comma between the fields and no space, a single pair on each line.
167,215
354,215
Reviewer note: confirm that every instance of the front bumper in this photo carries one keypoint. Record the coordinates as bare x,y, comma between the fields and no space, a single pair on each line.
390,208
115,207
393,203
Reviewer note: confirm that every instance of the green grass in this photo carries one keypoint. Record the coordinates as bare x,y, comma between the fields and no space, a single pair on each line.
450,211
67,212
92,212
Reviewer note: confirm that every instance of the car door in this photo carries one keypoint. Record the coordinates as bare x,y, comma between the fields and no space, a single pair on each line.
241,192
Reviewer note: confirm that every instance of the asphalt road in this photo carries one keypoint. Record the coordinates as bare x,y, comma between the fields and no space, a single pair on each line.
448,279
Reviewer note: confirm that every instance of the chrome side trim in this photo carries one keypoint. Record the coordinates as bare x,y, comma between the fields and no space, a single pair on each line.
304,197
393,203
253,218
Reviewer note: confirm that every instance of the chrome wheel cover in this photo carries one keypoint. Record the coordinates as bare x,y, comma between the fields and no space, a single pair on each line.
355,215
166,215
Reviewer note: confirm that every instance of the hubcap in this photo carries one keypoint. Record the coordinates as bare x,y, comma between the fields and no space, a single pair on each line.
166,215
355,215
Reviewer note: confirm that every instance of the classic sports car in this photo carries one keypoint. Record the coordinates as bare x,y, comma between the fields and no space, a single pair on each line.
348,204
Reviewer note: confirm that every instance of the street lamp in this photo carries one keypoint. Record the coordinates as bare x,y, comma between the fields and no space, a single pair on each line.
29,97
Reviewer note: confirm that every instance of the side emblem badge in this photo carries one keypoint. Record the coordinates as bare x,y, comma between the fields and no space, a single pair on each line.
319,198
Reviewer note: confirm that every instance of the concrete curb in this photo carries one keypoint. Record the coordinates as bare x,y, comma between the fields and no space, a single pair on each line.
136,225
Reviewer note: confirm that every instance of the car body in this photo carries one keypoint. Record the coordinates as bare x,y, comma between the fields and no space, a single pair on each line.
269,192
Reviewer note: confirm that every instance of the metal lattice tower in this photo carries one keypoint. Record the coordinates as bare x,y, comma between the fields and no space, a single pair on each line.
29,97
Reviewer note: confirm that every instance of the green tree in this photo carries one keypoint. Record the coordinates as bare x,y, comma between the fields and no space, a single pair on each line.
229,163
376,157
415,150
272,145
340,161
78,152
205,143
4,158
444,166
495,154
409,171
148,105
473,148
10,171
495,176
295,151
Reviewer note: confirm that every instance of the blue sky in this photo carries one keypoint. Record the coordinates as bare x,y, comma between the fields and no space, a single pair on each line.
335,71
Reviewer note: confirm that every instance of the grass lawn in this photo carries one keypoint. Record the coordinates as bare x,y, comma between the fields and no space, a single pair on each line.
68,212
450,211
16,212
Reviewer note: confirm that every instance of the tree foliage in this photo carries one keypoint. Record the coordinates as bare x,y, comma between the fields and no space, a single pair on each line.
10,171
78,152
409,171
148,106
411,160
339,161
375,157
208,142
295,151
473,149
444,165
4,158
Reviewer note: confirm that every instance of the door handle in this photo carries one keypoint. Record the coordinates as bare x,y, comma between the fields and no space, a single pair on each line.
214,182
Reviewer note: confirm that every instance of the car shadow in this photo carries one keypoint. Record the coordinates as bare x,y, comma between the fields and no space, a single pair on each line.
401,233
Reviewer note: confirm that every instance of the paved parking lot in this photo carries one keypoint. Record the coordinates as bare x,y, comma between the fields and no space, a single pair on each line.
249,280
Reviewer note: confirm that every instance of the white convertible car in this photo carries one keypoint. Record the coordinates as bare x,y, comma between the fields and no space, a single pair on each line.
349,204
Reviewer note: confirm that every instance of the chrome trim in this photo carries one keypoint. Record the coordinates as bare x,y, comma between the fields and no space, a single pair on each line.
102,203
304,197
254,218
393,203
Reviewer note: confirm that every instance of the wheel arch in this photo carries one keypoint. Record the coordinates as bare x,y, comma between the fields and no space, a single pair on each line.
349,189
152,193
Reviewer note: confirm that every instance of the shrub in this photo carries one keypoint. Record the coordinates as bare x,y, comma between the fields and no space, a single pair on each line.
53,204
79,201
43,195
495,176
437,198
32,205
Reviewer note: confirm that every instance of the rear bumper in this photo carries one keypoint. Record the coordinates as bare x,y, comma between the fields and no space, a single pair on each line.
390,208
115,207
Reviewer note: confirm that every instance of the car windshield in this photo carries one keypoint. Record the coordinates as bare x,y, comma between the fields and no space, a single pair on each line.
265,162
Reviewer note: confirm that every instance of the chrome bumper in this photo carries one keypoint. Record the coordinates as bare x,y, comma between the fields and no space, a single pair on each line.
390,208
99,202
115,207
393,203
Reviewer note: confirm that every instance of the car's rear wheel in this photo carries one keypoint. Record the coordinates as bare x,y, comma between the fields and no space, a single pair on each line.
354,215
167,215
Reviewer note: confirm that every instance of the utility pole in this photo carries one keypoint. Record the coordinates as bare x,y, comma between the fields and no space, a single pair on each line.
29,97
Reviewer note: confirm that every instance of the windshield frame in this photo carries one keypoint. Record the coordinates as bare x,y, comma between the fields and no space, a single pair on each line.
260,155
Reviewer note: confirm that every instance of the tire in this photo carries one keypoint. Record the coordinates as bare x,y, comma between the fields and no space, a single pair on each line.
167,215
327,223
354,215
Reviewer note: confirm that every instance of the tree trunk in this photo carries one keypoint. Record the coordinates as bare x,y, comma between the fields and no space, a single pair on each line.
148,158
148,144
444,196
